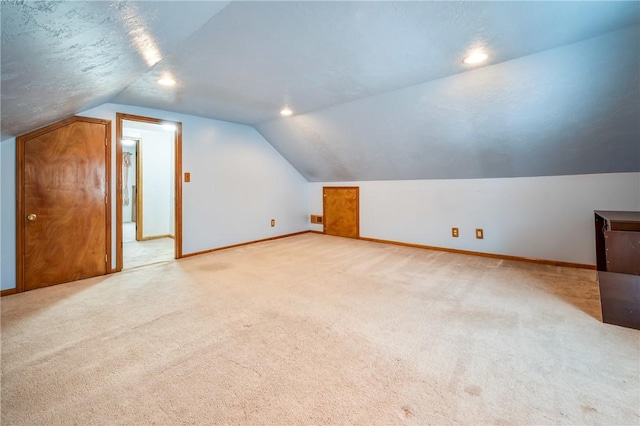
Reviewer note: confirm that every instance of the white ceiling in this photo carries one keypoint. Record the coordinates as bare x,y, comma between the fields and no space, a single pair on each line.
255,57
244,61
59,58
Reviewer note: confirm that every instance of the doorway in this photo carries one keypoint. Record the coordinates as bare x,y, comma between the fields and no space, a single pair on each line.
149,199
341,215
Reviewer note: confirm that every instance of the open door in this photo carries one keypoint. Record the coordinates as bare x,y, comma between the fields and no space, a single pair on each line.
341,215
63,205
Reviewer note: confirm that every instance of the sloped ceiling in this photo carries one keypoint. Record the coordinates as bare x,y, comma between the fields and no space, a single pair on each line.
378,89
59,58
570,110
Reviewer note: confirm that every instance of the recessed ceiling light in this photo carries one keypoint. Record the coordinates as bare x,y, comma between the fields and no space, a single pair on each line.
286,112
167,81
475,58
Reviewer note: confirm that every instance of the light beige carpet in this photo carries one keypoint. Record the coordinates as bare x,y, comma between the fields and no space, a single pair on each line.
140,253
319,330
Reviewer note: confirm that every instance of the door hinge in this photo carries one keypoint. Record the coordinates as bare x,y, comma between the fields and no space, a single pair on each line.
106,258
105,141
105,200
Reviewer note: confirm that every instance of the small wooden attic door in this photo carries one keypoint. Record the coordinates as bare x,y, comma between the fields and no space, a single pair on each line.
341,207
63,204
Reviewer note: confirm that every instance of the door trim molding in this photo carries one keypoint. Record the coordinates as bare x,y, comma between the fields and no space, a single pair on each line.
139,189
8,292
20,210
177,180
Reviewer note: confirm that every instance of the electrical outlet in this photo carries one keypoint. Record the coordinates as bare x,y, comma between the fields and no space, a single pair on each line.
479,233
273,223
455,233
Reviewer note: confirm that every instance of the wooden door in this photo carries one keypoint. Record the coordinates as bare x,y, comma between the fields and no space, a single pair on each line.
341,207
63,204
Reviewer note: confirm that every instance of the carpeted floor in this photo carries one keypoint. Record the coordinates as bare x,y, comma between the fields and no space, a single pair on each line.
315,329
141,253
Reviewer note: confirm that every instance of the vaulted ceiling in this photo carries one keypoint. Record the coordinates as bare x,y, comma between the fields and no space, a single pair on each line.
378,90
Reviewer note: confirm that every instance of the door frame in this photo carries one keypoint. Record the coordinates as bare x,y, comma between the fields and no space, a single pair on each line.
177,180
20,196
138,177
324,207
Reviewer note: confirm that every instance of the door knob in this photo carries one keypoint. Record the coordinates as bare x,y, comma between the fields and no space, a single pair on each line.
31,217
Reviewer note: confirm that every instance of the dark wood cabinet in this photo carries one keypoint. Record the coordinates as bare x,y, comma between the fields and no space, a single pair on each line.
618,263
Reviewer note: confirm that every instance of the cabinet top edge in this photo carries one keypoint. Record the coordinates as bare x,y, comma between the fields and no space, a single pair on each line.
619,216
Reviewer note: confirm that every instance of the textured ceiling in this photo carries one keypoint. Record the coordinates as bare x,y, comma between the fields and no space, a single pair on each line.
59,58
378,89
255,57
570,110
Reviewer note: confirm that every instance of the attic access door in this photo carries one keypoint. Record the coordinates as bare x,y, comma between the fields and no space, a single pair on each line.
341,207
63,209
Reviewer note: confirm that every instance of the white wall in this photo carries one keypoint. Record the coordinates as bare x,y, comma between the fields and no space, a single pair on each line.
156,150
157,180
8,218
538,217
1,211
239,182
